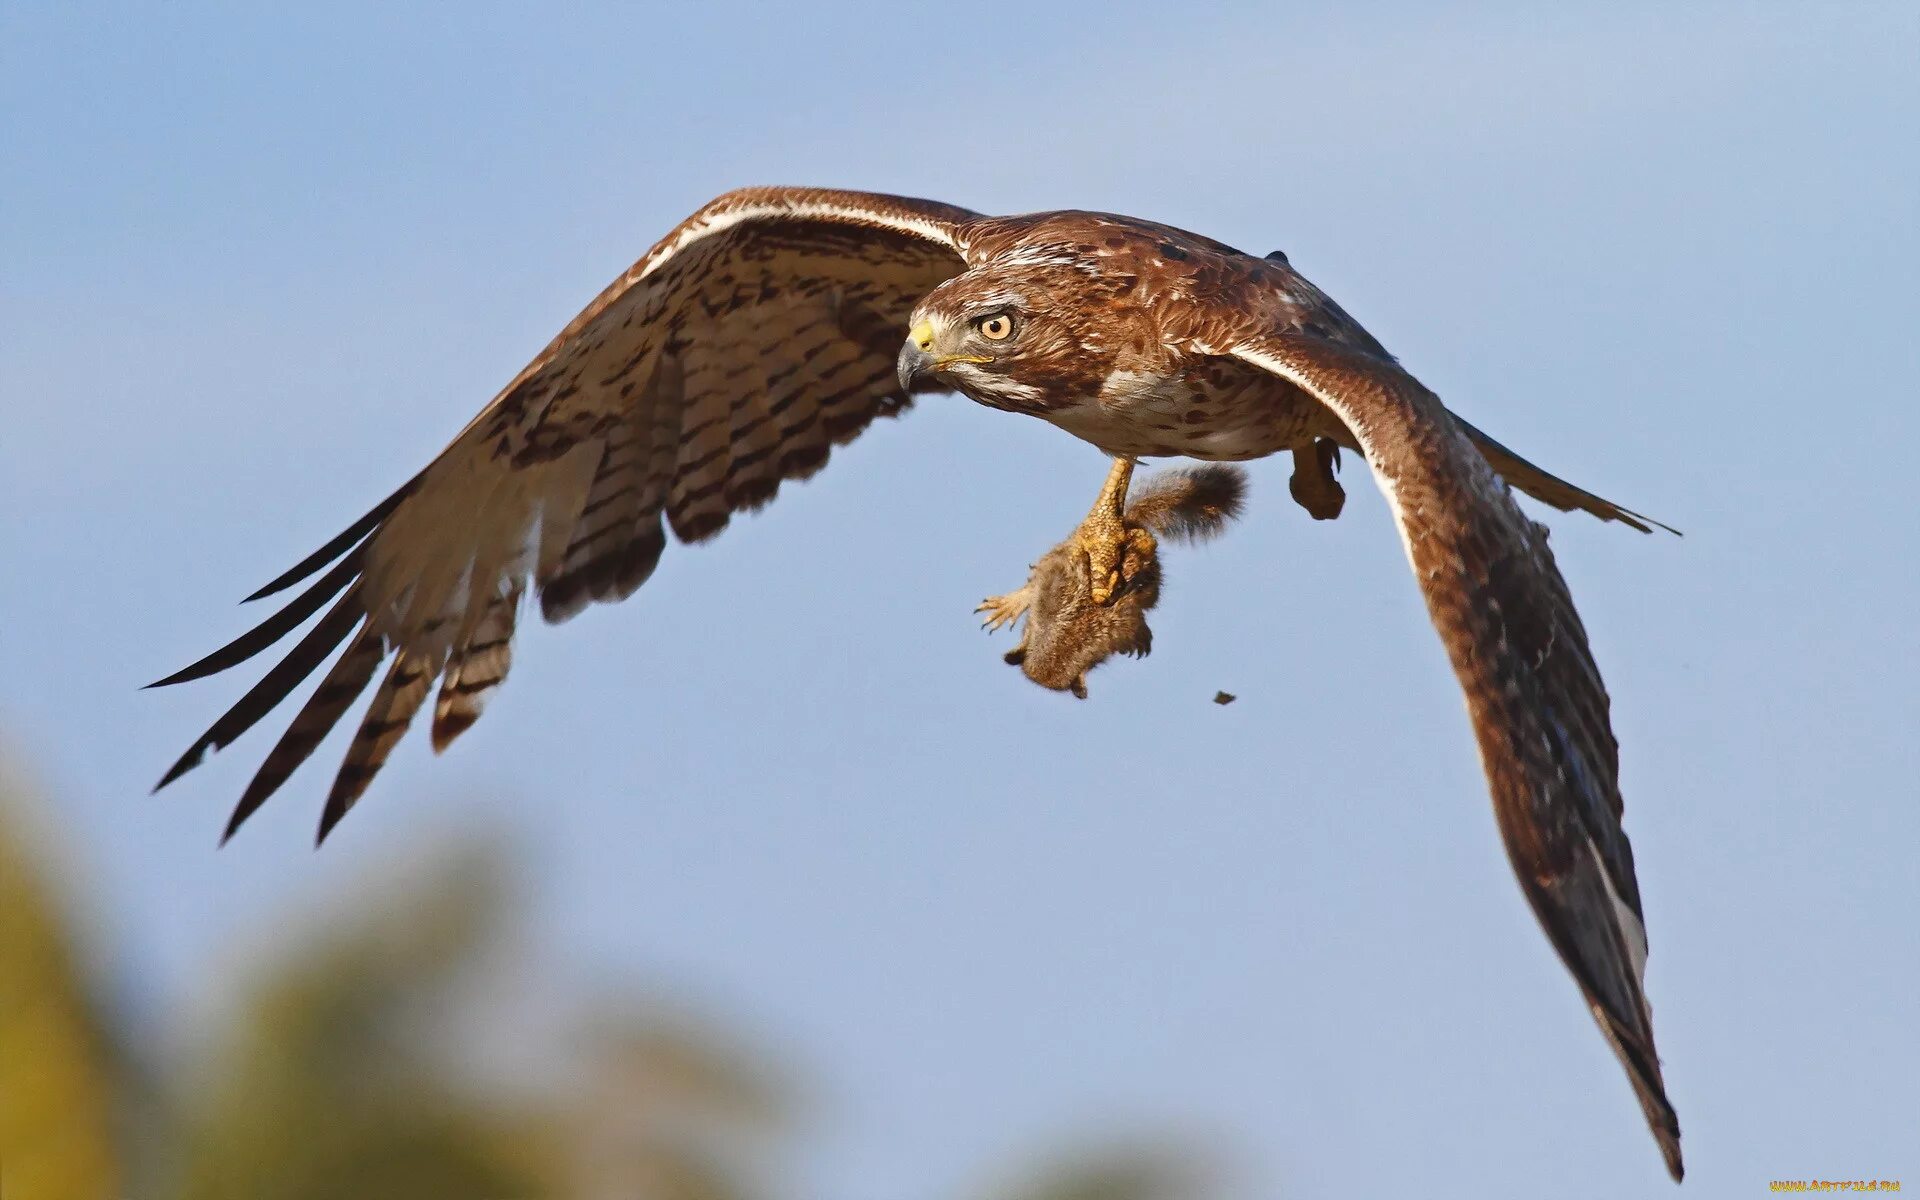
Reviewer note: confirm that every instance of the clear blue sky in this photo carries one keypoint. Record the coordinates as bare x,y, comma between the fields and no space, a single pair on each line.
260,264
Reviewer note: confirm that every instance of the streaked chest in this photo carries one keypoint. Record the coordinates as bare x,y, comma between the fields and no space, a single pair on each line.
1210,409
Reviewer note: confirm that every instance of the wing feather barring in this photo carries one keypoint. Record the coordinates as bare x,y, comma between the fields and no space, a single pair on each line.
777,323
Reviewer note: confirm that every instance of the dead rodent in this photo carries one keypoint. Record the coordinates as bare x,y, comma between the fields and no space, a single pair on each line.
1066,633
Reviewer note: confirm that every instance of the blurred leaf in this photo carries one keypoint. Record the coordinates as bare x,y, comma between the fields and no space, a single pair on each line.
329,1083
672,1111
57,1065
343,1072
663,1061
1121,1173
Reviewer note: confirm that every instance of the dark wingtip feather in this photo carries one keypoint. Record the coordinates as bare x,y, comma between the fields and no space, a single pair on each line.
1661,1119
1543,484
1670,1150
1642,521
186,762
310,726
340,544
1643,1070
273,628
272,688
347,789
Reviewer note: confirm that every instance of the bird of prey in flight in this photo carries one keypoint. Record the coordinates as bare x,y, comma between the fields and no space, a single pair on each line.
768,327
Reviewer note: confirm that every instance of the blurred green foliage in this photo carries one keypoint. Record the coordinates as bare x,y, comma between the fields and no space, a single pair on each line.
58,1075
328,1084
346,1068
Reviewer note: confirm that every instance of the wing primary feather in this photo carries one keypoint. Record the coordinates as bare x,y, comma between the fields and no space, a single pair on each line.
616,539
273,628
581,452
475,670
1605,955
1552,490
394,705
1537,703
336,693
274,686
339,545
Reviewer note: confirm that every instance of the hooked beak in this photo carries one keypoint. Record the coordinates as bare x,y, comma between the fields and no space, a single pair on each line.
916,359
912,367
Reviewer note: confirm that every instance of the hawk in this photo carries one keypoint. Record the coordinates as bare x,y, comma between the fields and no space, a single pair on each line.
767,328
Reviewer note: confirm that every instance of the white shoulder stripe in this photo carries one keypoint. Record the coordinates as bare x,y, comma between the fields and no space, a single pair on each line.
1294,375
704,227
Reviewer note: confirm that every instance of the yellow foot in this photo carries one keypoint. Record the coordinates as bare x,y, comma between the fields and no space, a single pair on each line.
1113,558
1104,553
1103,537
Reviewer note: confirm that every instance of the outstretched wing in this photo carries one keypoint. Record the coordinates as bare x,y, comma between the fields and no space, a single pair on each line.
733,356
1538,706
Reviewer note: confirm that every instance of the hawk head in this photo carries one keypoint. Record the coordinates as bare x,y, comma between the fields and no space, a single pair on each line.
1029,330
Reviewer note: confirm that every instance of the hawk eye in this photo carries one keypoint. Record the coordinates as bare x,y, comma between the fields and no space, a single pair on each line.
995,327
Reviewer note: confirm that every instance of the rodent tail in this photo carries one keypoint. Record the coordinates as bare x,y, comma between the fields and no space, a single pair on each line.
1189,504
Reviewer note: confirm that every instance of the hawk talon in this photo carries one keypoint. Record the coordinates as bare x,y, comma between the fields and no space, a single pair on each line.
1113,560
1313,485
1104,536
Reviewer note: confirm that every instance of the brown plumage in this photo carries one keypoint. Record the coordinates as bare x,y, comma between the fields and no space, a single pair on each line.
762,332
1066,634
